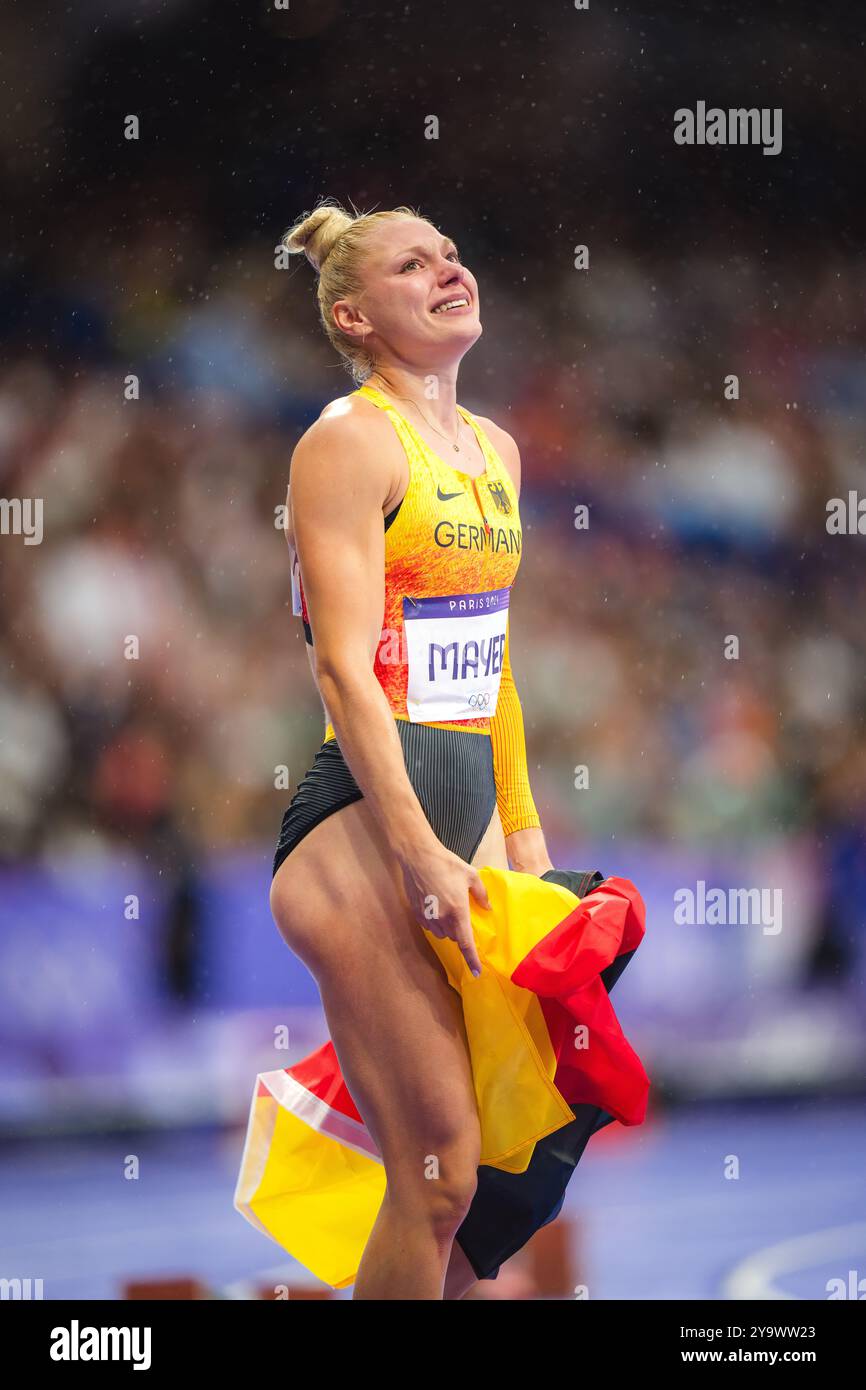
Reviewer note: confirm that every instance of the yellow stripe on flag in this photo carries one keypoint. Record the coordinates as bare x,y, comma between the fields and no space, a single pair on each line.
513,1063
317,1198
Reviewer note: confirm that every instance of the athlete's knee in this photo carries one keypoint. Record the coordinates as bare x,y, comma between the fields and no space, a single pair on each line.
437,1186
448,1198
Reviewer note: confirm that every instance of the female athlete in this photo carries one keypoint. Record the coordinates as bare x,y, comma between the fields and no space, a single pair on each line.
403,510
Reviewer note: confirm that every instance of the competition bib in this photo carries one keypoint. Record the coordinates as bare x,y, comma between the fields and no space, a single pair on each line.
455,647
297,606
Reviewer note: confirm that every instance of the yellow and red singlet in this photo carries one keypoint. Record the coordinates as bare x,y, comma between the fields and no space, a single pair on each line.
452,552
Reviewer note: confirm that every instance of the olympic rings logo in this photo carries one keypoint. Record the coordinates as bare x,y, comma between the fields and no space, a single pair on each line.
479,701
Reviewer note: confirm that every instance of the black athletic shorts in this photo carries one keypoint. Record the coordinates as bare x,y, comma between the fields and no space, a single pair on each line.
451,772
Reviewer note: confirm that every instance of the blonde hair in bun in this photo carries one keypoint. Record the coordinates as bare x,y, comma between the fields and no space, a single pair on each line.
334,242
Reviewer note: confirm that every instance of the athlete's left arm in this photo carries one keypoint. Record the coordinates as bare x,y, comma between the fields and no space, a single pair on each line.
521,823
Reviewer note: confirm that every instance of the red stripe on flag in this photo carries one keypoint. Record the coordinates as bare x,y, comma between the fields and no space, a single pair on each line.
320,1073
595,1062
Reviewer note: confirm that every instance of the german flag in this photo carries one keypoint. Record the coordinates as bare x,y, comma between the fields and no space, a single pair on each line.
547,1054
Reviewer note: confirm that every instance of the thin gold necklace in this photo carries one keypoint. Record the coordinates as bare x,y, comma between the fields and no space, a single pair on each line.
456,448
409,401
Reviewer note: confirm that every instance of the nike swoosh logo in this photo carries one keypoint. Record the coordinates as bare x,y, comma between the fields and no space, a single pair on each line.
446,496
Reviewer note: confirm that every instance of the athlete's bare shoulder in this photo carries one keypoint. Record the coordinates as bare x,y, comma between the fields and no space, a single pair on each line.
348,451
352,418
504,445
348,430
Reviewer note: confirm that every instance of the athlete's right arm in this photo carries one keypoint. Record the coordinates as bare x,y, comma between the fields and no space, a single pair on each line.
340,480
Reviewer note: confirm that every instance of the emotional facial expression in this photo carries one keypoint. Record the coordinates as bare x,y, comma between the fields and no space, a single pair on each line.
418,296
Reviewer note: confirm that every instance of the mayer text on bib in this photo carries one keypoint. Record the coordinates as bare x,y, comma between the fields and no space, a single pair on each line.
455,646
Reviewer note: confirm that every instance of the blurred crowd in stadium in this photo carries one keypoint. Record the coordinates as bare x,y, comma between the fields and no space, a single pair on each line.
688,639
706,513
706,520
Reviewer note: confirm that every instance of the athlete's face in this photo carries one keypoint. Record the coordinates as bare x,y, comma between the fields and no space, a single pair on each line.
410,273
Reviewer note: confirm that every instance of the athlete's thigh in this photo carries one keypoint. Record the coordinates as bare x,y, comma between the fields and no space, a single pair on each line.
491,849
396,1023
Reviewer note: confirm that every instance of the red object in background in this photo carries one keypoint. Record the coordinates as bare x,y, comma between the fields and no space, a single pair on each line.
132,779
177,1288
